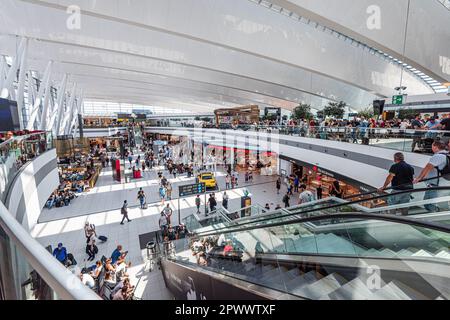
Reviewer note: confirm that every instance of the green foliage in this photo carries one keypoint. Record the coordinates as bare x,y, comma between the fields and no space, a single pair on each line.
407,114
197,118
335,109
302,111
366,113
206,119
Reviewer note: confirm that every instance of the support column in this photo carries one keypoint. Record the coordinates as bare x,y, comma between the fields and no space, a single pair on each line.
45,105
38,100
21,85
60,105
68,112
12,73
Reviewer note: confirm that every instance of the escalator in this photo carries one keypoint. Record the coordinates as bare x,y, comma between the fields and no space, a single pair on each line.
326,254
416,208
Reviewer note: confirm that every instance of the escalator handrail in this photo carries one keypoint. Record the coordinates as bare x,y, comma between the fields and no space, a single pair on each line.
357,215
392,188
270,216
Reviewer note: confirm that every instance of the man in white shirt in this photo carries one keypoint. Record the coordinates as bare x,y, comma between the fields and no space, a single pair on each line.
305,195
436,164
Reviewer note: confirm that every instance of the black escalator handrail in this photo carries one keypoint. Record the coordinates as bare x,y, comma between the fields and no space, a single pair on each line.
332,207
392,188
365,216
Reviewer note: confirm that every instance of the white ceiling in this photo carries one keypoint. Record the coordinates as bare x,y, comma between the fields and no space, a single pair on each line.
195,54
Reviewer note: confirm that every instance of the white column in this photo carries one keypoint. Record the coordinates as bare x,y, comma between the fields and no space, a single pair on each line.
69,111
3,68
12,73
38,100
60,105
45,104
21,85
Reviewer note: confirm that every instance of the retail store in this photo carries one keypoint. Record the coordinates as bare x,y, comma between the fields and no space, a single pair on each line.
315,176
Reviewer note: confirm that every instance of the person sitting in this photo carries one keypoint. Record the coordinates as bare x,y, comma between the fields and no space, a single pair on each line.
109,279
98,269
201,259
121,269
60,253
51,201
125,282
87,280
122,294
117,254
228,249
109,266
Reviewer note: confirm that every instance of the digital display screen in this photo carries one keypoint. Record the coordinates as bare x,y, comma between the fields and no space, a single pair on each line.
191,189
9,115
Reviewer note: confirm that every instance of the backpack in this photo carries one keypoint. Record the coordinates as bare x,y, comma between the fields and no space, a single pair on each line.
445,172
123,210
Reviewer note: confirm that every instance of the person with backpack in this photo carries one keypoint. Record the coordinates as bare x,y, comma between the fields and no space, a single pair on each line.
141,197
438,166
124,212
401,177
286,199
198,203
305,195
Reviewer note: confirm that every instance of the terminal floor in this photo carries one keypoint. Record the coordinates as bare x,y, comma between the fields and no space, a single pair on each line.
68,228
109,195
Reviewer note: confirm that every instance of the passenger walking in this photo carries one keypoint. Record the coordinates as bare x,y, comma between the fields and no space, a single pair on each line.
197,203
438,165
225,200
169,190
162,193
141,197
124,212
401,178
168,213
278,185
286,199
305,195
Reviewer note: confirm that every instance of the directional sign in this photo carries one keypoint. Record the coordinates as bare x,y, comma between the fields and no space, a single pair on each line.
191,189
397,100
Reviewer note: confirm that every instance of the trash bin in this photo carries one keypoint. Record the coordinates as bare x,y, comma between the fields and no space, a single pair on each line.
151,250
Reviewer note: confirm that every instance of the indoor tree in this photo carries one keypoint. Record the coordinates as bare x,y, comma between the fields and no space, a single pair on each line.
302,111
335,109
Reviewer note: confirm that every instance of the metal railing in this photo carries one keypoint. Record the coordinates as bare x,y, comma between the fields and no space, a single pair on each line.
17,151
407,140
63,283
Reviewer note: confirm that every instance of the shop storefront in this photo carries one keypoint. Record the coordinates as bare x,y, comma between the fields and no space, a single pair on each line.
315,176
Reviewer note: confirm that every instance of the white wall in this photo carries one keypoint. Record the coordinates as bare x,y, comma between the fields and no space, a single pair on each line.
34,192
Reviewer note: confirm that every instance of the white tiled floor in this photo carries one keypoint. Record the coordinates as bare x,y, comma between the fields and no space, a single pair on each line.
69,228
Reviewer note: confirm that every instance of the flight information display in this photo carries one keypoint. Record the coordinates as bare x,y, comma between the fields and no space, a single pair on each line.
191,189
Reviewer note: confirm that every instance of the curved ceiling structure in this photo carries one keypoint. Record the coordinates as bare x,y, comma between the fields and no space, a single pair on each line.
197,54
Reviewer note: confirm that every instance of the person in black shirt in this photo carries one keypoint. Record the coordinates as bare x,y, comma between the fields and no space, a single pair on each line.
445,125
401,177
